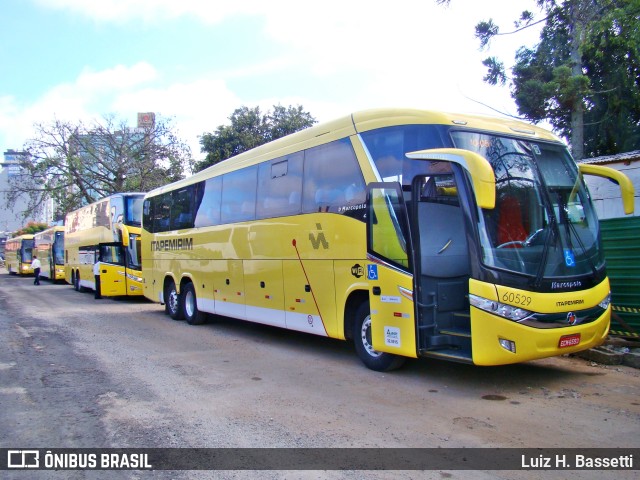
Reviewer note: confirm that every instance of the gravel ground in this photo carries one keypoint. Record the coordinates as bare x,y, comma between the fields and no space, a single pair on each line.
82,373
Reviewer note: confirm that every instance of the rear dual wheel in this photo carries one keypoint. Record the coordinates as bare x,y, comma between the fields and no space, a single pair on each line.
190,306
172,301
183,305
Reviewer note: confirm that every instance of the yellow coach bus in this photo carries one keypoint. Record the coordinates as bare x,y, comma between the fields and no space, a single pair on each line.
49,245
412,233
18,253
107,231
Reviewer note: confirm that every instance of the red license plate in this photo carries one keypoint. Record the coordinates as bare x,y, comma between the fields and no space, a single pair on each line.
569,340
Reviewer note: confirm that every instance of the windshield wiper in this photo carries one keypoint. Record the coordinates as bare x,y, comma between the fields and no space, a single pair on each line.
582,247
553,236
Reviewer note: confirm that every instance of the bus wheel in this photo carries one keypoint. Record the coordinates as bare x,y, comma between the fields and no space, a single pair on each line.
172,302
76,282
373,359
190,306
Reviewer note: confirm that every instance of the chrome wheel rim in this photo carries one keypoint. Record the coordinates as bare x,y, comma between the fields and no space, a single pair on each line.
365,335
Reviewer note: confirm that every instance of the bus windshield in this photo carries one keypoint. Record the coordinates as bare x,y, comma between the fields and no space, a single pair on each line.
58,248
543,224
133,209
27,250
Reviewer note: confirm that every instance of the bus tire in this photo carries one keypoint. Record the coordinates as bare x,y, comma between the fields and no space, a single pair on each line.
76,282
378,361
173,301
190,306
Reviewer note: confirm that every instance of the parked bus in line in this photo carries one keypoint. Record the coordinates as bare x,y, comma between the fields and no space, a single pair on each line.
49,246
18,253
107,231
412,233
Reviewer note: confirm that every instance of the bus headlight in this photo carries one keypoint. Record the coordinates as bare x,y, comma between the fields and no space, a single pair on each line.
502,309
606,301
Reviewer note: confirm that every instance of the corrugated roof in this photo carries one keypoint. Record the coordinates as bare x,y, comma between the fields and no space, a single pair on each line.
619,157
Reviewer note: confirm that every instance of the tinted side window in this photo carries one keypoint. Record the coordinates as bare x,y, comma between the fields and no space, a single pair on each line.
280,187
389,145
332,178
208,212
239,195
147,214
182,208
161,208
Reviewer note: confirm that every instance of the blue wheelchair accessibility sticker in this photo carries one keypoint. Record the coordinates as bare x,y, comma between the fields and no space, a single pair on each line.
569,259
372,272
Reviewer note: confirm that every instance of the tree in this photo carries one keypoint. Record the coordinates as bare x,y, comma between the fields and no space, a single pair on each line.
251,128
583,76
31,228
75,164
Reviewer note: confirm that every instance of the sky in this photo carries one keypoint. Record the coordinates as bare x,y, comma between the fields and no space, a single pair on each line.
194,62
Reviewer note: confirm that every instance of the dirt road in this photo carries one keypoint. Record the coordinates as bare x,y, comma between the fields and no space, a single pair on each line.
78,372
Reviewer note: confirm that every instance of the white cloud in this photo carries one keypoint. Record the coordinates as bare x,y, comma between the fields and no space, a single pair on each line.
116,78
407,54
85,99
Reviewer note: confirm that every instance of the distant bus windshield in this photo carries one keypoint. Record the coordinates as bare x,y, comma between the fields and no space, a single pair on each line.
133,211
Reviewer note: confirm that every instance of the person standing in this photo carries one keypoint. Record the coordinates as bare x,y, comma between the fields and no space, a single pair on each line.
96,276
36,265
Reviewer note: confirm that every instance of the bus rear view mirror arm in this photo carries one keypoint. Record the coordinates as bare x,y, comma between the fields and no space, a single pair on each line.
626,187
481,173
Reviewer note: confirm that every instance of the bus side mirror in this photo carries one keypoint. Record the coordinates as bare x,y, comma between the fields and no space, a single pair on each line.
626,187
479,168
124,232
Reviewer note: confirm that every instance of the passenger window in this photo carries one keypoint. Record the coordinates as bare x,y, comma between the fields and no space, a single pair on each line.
332,178
181,208
209,208
280,187
160,209
239,195
147,215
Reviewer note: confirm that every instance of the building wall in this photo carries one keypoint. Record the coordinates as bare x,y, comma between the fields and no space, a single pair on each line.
606,194
12,219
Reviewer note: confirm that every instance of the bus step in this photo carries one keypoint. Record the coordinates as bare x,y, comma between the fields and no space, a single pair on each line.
461,314
452,354
456,332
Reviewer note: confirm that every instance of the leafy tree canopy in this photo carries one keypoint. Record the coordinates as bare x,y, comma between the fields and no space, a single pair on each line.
251,128
31,228
77,164
583,76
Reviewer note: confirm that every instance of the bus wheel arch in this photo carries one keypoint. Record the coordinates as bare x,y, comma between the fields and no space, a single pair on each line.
355,299
190,311
172,299
373,359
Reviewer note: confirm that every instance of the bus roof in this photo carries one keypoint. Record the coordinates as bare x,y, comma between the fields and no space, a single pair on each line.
26,236
355,123
47,231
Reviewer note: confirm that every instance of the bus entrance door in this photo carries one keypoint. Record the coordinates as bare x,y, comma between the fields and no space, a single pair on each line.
393,327
113,280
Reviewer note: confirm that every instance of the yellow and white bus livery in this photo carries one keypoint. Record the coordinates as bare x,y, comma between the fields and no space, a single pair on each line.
49,245
108,231
413,233
18,253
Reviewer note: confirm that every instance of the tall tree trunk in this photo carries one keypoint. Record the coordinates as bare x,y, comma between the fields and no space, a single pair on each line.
578,11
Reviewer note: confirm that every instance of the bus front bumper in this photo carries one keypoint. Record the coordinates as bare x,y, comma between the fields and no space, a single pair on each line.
492,334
